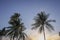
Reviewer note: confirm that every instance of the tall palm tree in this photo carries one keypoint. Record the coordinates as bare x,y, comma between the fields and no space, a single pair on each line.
41,21
16,30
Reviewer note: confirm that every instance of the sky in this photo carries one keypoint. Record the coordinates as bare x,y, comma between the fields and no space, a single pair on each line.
28,10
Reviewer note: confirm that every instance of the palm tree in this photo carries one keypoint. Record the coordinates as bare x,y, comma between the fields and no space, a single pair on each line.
16,30
41,21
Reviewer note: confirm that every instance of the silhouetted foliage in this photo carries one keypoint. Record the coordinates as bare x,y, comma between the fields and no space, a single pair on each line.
16,28
2,33
41,21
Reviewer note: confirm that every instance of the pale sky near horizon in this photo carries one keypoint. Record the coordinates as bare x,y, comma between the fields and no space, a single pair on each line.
28,10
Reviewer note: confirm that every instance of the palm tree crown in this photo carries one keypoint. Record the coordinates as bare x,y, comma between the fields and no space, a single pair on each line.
16,28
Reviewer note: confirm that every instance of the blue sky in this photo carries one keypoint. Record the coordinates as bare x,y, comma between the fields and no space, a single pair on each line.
28,10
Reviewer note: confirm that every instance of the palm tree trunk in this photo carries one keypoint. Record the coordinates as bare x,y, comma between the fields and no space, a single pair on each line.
44,33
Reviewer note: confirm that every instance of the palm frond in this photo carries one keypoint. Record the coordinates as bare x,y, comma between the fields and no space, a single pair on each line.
9,32
36,25
22,26
48,28
51,21
41,29
49,25
25,34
